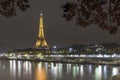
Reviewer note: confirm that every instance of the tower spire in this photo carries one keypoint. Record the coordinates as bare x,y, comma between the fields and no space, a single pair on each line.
41,41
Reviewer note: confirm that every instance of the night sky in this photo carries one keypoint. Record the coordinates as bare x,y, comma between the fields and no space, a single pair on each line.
21,31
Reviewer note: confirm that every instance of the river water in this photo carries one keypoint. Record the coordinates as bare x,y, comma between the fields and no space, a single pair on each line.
25,70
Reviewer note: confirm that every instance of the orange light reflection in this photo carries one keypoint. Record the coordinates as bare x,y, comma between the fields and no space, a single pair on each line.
40,73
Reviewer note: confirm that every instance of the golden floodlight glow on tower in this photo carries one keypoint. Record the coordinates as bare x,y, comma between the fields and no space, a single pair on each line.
41,41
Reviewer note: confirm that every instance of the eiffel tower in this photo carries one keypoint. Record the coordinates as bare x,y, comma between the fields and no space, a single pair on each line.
41,41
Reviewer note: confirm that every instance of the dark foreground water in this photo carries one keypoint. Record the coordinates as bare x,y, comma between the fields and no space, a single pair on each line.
24,70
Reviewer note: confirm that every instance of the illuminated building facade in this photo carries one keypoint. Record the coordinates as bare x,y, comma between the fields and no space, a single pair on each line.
41,41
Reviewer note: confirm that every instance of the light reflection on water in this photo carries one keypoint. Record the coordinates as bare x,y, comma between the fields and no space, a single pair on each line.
81,70
25,70
40,72
98,73
105,71
115,71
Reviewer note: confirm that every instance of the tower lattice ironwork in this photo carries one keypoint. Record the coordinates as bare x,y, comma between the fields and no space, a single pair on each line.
41,41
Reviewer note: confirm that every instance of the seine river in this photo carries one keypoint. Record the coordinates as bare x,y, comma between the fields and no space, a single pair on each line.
25,70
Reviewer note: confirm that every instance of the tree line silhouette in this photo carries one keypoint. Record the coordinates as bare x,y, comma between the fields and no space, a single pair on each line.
104,13
8,8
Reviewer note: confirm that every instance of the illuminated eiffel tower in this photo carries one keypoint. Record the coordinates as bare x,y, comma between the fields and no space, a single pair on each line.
41,41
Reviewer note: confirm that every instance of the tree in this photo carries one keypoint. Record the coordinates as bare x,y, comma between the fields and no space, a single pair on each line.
104,13
8,7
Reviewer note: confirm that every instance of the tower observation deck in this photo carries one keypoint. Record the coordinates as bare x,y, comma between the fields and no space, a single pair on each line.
41,41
